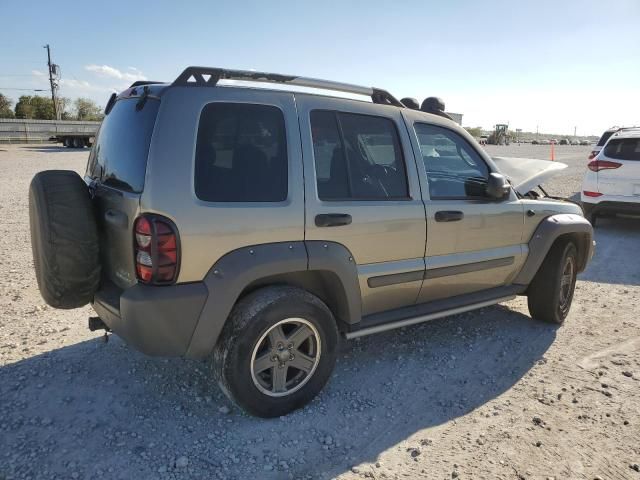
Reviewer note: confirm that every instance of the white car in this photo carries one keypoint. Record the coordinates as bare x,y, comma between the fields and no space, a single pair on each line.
612,183
603,139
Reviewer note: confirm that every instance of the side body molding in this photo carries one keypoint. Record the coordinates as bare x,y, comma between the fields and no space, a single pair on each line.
548,232
238,269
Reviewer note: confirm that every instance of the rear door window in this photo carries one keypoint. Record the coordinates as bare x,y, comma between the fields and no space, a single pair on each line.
119,157
241,154
357,157
623,149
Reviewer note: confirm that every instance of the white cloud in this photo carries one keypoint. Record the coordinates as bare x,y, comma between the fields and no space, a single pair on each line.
112,72
37,73
73,83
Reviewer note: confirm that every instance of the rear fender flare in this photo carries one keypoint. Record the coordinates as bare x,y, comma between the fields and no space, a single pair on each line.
235,271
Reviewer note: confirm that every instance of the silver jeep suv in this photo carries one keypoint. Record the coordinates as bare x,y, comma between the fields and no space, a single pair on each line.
230,215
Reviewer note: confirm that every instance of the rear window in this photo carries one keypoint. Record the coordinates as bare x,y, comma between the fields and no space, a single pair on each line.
623,149
241,154
119,156
605,136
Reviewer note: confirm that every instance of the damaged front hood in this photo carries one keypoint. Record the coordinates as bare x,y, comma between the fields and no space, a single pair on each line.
525,174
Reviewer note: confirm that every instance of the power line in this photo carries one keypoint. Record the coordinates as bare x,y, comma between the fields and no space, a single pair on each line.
25,89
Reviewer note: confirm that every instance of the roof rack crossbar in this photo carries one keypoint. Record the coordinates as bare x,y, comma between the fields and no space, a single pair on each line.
139,83
209,77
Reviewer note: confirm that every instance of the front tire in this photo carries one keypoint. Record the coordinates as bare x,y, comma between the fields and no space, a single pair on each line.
277,350
551,292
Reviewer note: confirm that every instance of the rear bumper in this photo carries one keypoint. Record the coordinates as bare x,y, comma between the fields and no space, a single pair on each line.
158,321
611,207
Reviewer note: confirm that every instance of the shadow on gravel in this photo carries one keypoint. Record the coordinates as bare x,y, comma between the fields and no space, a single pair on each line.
615,260
95,409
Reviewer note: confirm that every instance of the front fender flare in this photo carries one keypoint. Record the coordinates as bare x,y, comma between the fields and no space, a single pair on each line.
546,234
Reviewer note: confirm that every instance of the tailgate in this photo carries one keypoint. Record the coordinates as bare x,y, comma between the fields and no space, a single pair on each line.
116,212
623,154
116,169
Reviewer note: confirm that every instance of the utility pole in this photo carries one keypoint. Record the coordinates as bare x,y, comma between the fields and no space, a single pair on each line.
574,131
53,71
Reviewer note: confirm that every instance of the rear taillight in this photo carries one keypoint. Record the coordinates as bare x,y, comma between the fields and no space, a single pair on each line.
598,165
591,194
157,253
592,155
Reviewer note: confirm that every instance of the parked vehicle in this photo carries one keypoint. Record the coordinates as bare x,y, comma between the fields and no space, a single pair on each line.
585,142
564,141
71,133
603,140
534,142
253,226
612,182
574,142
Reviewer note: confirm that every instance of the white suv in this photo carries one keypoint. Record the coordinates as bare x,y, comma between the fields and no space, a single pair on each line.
612,183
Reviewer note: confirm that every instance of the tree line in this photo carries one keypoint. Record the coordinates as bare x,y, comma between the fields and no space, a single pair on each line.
41,108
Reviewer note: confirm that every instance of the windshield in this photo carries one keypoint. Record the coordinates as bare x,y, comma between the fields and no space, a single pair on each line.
119,157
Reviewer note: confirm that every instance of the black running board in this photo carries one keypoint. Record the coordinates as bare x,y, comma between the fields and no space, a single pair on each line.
425,312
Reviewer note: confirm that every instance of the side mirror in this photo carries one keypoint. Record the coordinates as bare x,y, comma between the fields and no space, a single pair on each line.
497,186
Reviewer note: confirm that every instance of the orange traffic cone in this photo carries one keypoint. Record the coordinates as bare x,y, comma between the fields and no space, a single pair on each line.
553,155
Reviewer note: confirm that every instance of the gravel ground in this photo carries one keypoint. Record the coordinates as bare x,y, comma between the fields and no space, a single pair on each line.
488,394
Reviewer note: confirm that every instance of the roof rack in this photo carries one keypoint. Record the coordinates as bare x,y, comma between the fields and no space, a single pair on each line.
209,77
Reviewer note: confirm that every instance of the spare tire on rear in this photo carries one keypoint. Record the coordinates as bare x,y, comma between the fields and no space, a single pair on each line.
64,238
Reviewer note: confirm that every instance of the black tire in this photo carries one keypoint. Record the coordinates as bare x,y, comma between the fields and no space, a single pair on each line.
78,142
589,213
66,142
64,239
549,299
251,320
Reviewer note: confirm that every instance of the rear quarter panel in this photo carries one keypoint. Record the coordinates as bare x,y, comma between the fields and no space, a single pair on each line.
208,230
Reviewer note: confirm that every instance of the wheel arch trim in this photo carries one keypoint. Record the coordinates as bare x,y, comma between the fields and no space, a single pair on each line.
548,231
239,271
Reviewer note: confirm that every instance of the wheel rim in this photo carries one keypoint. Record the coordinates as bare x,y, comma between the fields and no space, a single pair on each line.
285,357
566,284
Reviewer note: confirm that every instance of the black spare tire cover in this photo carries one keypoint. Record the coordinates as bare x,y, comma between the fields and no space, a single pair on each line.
64,238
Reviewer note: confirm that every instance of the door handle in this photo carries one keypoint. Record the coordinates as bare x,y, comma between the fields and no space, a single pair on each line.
449,216
333,219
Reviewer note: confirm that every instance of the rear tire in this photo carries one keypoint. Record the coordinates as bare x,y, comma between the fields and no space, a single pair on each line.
551,292
277,350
